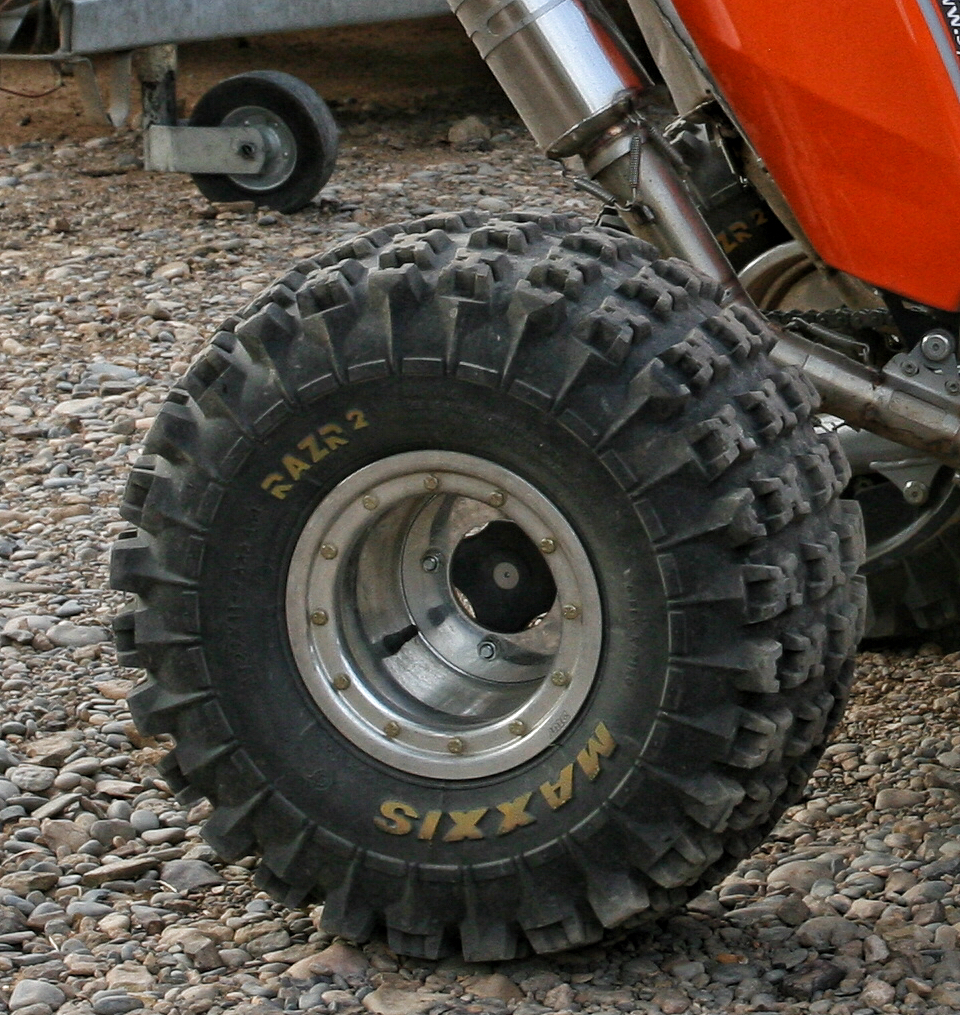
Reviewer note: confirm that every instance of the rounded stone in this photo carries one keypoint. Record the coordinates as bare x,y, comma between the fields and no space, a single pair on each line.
31,778
30,992
144,820
877,993
898,799
800,875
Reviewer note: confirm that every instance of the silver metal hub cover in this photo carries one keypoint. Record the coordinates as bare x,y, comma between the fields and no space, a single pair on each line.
280,147
443,614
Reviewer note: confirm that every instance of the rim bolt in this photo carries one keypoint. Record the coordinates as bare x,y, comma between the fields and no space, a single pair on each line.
391,729
431,483
547,545
370,502
518,728
560,679
487,650
455,746
341,681
497,499
328,551
319,617
430,563
571,612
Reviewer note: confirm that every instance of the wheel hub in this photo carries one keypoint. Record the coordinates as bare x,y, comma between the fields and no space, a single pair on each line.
443,614
280,156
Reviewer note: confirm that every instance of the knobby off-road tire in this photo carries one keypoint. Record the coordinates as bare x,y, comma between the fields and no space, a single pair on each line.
519,392
912,566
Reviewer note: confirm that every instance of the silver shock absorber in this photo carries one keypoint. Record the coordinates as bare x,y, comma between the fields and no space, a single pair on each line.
580,91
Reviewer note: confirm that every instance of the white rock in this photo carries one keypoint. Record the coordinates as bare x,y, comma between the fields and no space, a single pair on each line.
68,635
79,407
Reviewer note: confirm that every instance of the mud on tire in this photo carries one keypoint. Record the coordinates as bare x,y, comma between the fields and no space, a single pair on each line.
533,392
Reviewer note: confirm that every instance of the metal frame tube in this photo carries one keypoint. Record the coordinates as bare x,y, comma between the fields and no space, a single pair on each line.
577,87
858,394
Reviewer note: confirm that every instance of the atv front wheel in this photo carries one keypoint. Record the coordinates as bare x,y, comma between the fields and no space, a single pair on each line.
493,584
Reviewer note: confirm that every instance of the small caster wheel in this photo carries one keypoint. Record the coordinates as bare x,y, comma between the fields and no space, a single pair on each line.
300,133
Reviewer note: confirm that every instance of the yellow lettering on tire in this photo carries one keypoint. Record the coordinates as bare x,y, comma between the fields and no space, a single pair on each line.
295,466
309,443
558,793
270,484
429,827
465,825
600,744
395,817
330,438
515,814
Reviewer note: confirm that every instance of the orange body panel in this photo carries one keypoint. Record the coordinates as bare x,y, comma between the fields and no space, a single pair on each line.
854,108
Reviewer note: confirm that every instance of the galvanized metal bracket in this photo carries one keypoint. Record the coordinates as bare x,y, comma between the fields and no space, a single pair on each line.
221,151
929,371
118,111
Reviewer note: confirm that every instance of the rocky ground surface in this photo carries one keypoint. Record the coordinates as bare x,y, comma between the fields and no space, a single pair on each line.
110,902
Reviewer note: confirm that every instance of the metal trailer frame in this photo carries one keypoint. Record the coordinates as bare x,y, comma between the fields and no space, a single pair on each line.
109,26
141,36
119,27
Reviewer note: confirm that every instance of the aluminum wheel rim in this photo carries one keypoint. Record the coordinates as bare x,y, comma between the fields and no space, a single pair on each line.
280,157
399,659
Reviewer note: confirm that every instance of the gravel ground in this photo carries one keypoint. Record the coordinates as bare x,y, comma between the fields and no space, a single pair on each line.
110,902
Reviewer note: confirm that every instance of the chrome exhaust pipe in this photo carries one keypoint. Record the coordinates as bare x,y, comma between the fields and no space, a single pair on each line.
562,64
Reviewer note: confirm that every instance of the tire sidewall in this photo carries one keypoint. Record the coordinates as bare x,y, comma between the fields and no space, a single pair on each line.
293,744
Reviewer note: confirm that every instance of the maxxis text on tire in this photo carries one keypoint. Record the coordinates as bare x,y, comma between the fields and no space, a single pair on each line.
299,128
697,515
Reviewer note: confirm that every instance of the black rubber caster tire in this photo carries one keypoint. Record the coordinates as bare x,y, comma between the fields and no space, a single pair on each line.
606,393
302,129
